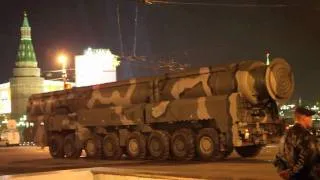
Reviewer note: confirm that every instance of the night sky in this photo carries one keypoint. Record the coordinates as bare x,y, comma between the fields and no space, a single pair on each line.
198,35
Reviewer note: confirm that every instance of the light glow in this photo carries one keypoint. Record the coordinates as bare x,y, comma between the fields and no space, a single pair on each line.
96,66
62,59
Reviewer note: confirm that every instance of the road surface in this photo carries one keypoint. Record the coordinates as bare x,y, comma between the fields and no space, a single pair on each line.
17,160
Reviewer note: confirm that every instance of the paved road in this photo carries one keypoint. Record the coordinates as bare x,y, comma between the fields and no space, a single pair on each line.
17,160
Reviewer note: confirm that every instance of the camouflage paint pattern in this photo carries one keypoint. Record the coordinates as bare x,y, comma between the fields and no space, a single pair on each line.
115,98
237,97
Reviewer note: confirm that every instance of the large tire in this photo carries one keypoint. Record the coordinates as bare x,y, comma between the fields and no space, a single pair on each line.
70,149
111,146
93,147
207,144
136,146
158,145
249,151
182,144
56,146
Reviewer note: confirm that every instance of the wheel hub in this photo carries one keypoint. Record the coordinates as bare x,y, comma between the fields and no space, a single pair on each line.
206,144
109,147
155,144
133,146
180,146
91,146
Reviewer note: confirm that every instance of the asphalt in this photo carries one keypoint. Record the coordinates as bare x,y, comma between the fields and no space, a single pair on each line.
20,160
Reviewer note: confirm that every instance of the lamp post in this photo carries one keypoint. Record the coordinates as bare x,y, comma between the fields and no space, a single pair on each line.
62,58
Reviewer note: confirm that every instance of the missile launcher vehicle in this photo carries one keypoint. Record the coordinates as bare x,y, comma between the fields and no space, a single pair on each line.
204,113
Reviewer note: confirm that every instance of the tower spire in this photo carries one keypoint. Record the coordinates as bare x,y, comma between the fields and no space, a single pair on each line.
26,56
267,56
300,101
26,78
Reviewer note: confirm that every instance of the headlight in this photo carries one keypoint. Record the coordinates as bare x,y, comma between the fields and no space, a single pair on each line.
246,134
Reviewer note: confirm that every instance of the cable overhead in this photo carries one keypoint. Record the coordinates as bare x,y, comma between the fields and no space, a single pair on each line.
119,28
231,5
169,65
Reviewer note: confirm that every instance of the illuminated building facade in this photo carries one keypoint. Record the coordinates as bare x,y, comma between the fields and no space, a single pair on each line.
5,98
95,66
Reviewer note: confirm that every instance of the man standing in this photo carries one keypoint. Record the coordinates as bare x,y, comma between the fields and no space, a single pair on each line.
40,136
298,153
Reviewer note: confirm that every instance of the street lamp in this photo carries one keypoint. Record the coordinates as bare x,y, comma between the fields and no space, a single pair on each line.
62,58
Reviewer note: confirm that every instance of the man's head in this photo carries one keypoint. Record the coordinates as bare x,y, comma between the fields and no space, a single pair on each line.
303,116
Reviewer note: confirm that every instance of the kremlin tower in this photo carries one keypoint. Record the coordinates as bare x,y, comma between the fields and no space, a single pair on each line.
26,78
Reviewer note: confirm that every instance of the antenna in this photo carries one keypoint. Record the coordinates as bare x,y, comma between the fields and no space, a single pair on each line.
267,60
135,30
